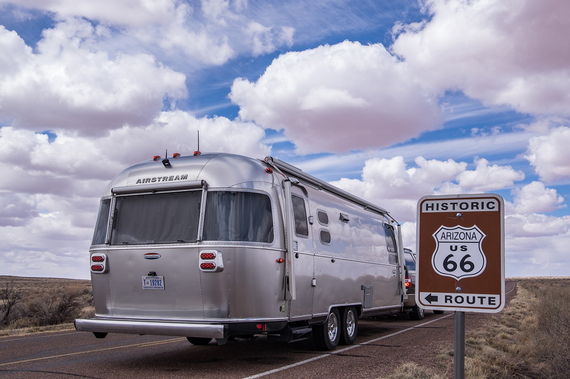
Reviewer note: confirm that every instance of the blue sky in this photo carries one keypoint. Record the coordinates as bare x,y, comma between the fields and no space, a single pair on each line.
390,100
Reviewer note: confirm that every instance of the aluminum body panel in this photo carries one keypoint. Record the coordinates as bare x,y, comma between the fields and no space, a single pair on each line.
251,286
303,261
218,170
356,256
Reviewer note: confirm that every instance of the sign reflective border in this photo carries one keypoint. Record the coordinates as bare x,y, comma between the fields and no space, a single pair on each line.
460,247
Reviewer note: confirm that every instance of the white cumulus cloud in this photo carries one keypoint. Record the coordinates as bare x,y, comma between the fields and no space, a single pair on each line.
535,198
488,177
67,86
338,98
550,155
511,52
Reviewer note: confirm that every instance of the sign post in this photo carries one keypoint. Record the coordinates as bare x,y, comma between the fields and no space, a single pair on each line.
461,255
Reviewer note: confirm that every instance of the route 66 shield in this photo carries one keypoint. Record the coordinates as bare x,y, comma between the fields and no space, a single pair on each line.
458,252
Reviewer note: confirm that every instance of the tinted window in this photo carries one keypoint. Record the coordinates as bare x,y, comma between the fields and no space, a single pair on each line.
390,238
156,218
300,214
325,237
410,262
323,217
238,216
102,222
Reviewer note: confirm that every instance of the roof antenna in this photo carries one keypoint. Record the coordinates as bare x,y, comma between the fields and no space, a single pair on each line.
165,161
197,152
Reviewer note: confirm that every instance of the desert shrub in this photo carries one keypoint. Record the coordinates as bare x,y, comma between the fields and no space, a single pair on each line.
27,304
9,299
56,308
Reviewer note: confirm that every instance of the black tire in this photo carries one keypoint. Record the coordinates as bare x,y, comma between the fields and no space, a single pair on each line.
438,312
327,335
198,341
349,326
417,313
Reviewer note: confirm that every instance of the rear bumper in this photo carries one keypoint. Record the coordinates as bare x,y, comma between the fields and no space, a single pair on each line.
152,327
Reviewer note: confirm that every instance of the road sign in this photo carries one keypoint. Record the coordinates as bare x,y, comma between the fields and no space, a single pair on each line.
460,246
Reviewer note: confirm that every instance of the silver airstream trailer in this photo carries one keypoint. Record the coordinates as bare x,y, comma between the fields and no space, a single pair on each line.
218,246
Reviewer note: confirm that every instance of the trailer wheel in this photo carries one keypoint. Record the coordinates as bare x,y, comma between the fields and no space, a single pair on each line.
327,335
198,341
349,326
417,313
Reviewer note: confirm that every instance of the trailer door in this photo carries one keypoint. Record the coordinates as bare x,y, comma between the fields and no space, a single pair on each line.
303,257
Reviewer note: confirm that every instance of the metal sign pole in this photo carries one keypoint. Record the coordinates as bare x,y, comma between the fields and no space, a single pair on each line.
459,353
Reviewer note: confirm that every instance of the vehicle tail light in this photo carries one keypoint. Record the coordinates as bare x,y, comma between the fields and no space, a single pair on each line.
208,255
99,263
408,281
211,261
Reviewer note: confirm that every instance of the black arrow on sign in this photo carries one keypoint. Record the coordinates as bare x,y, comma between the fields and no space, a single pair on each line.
430,298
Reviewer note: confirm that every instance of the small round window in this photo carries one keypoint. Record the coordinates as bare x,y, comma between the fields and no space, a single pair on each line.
323,217
325,237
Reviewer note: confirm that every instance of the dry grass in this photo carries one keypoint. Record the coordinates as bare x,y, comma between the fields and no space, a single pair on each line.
529,339
33,304
411,370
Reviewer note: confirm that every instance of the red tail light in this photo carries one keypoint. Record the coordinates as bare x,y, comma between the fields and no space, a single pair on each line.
408,282
99,263
211,261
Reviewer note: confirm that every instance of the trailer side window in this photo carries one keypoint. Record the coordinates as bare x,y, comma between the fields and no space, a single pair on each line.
323,217
325,237
156,218
300,214
238,216
391,244
102,222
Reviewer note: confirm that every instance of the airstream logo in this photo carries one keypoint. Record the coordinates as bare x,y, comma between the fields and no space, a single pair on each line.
151,256
458,253
158,179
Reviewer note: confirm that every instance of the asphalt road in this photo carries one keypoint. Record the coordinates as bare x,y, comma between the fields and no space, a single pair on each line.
382,345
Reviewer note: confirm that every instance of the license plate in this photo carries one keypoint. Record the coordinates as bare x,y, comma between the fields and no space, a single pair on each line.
153,282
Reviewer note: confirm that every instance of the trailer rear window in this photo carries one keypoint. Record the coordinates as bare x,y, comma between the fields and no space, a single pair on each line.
102,222
238,216
156,218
